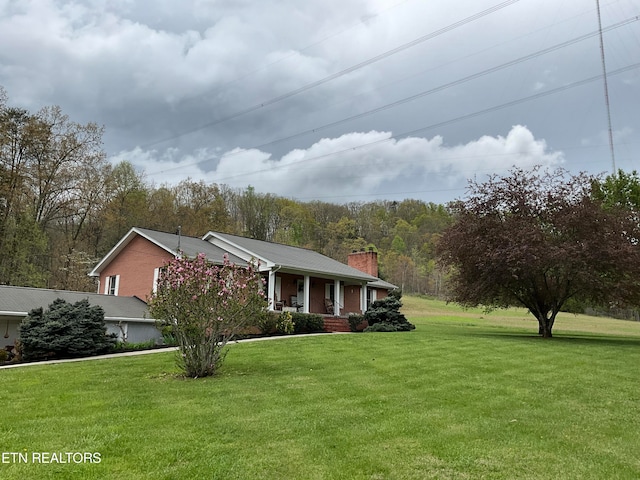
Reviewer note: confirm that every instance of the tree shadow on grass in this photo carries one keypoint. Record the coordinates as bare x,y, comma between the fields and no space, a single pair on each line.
561,338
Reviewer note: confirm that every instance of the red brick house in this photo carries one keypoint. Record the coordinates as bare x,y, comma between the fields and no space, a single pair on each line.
297,278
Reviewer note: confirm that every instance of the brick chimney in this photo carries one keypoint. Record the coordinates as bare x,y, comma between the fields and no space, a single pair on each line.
365,261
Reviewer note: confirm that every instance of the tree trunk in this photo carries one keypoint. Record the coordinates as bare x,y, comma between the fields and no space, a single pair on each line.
544,327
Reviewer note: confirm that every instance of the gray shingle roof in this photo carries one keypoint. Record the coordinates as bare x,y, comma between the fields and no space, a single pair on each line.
190,246
285,256
295,258
382,284
21,300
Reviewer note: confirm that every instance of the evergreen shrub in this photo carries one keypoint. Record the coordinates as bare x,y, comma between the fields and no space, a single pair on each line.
267,322
65,330
387,310
381,327
285,323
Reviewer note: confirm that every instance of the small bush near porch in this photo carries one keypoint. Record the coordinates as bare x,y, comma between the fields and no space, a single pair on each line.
269,322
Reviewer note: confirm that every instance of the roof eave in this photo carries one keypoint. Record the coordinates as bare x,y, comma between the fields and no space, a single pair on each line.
325,274
124,241
250,255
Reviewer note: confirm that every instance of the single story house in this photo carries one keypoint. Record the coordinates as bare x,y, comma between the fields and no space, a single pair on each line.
296,278
124,316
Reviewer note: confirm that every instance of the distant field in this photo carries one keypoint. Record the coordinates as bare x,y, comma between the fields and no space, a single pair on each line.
465,396
421,310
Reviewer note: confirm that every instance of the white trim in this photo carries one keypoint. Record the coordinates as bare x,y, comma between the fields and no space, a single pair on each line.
124,241
307,293
156,275
271,290
235,249
6,313
130,320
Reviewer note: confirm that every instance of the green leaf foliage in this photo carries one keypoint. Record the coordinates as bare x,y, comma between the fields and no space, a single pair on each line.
307,323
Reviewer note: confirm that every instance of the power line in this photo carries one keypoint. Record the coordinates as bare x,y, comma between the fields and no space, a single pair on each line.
295,51
606,89
444,123
341,73
439,124
425,92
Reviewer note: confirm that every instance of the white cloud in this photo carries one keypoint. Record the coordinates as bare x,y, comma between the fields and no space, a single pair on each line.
360,164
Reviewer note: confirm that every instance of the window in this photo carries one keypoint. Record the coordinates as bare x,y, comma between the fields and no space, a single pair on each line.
371,296
156,276
330,291
111,285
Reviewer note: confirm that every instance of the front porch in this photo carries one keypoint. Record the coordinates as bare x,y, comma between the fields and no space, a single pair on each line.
309,294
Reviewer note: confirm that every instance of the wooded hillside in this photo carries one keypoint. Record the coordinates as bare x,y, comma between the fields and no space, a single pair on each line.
63,206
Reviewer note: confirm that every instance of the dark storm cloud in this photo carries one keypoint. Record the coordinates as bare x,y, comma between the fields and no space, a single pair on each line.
170,81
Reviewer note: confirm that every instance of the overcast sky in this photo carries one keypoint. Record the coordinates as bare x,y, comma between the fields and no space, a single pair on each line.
349,100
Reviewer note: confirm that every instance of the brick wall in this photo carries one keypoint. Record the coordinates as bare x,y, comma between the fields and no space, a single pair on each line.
135,265
351,299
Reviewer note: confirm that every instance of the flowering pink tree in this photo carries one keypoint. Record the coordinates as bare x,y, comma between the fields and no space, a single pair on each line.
207,306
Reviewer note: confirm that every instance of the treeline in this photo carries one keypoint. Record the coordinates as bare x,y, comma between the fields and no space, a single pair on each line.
63,206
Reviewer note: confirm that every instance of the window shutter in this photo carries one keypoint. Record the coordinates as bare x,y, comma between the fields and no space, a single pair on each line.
156,275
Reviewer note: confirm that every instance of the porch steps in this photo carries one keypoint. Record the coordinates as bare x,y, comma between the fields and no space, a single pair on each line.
336,324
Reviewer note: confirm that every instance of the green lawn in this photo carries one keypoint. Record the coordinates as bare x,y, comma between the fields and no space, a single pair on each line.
465,395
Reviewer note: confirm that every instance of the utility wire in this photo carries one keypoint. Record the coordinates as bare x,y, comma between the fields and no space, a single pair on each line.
246,74
421,94
341,73
446,85
444,123
606,90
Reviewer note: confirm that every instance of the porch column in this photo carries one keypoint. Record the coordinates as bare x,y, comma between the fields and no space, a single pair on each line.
363,297
307,293
336,304
271,290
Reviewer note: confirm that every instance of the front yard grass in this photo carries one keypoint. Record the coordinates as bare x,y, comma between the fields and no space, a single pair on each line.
465,395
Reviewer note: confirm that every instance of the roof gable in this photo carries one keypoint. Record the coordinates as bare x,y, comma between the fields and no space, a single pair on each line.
172,243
